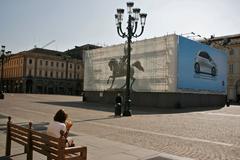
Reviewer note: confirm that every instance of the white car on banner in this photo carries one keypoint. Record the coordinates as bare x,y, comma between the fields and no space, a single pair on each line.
205,64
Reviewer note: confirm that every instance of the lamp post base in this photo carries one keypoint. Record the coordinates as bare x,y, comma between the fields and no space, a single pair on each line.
127,113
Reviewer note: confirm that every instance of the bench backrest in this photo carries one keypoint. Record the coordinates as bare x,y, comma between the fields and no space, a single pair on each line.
47,145
53,148
17,133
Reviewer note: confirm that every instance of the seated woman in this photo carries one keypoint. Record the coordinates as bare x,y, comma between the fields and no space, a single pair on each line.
59,124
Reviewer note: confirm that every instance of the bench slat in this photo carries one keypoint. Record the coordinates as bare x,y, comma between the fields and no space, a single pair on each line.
43,146
46,141
19,127
19,131
71,150
75,158
20,137
50,155
71,153
35,133
19,141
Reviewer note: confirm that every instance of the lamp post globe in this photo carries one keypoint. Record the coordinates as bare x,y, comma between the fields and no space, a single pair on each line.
132,25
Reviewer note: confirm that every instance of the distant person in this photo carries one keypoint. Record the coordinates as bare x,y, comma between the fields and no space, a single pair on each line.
118,99
118,105
1,95
83,97
61,123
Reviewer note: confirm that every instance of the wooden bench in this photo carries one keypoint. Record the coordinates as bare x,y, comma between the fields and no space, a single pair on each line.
53,148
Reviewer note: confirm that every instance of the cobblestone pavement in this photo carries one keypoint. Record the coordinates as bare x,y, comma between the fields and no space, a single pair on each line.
199,133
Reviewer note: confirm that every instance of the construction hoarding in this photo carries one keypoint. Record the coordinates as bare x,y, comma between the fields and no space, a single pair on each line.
153,66
166,64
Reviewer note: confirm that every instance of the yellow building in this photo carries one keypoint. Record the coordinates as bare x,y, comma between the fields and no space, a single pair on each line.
12,72
43,71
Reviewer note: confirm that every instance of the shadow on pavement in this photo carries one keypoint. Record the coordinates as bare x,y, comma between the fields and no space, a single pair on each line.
235,104
84,105
42,126
2,116
18,155
136,109
155,110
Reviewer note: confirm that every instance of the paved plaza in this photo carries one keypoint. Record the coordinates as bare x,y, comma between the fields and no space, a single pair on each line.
150,134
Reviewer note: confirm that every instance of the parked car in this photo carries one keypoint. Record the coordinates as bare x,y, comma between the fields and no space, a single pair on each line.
204,64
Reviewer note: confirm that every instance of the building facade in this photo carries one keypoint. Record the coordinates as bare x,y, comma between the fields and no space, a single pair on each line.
12,73
43,71
231,45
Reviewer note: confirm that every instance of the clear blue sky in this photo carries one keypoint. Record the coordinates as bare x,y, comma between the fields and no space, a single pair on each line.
25,23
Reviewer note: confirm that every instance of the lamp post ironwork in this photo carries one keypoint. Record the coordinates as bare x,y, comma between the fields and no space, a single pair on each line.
132,25
3,56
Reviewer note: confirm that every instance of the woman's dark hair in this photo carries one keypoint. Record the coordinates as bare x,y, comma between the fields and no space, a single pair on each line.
60,116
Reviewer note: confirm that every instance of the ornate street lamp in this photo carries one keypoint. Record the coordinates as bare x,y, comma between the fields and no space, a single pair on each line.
133,18
3,56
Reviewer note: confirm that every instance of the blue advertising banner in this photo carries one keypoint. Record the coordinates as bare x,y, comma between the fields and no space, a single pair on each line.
201,67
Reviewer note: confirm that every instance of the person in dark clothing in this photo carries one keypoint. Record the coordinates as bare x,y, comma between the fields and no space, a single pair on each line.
118,99
118,105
